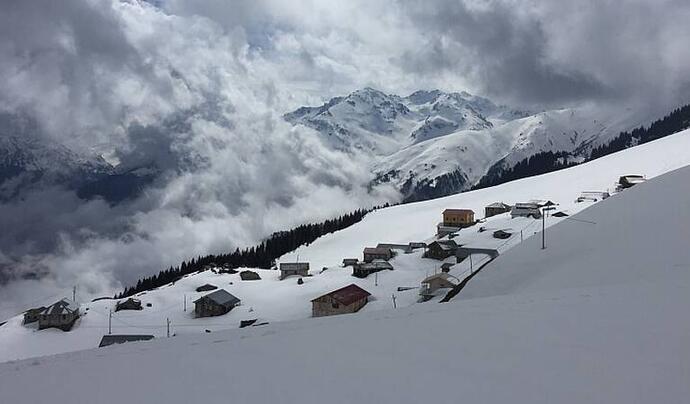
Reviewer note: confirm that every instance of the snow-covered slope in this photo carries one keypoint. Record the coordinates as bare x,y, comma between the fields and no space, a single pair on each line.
273,300
596,317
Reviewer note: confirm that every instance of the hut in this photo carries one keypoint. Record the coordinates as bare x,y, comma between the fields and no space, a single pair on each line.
496,208
435,282
348,262
441,249
458,217
365,269
121,339
627,181
293,268
377,253
129,304
249,276
62,314
31,315
416,244
206,288
215,304
527,209
349,299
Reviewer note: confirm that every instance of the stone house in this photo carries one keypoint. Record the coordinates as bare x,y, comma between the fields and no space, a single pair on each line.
62,314
293,268
215,304
496,208
31,315
129,304
349,299
528,209
377,253
362,270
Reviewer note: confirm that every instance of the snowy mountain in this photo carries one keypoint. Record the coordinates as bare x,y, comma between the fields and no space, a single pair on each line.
432,144
597,316
273,300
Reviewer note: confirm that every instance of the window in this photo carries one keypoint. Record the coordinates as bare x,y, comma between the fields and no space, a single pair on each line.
335,305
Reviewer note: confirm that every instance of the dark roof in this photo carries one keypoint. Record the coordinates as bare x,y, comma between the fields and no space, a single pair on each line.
221,297
347,295
459,211
64,306
498,205
377,250
446,244
119,339
206,287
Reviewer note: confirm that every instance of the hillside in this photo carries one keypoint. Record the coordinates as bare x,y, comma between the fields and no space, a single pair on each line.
596,317
273,300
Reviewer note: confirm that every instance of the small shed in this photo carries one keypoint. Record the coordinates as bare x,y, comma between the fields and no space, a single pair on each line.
249,276
496,208
362,270
207,287
458,217
31,315
348,262
415,245
121,339
377,253
215,304
441,249
527,209
502,234
293,268
62,314
435,282
627,181
349,299
129,304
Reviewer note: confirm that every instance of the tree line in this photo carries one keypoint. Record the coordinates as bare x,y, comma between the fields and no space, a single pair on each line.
262,255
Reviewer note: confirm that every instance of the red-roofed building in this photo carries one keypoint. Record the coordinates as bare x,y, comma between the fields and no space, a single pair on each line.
345,300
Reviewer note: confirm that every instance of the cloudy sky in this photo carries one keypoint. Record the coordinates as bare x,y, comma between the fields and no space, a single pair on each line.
198,88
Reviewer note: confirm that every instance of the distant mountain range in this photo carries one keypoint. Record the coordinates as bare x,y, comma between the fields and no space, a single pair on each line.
432,143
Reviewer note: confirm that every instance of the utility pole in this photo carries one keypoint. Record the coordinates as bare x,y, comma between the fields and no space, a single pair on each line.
74,293
471,267
543,231
110,322
521,236
376,279
395,306
185,302
168,321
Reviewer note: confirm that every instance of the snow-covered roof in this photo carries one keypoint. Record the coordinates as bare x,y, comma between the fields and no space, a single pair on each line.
221,297
63,306
347,295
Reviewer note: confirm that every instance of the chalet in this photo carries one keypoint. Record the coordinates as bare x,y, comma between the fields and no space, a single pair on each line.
348,262
496,208
293,268
433,283
362,270
441,249
31,315
249,276
592,196
392,246
129,304
628,181
458,217
502,234
121,339
206,288
349,299
62,314
377,253
215,304
528,209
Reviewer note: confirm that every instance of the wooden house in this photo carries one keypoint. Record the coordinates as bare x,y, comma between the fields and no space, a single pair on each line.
441,249
377,253
129,304
496,208
121,339
362,270
458,217
31,315
433,283
62,314
349,299
293,268
215,304
527,209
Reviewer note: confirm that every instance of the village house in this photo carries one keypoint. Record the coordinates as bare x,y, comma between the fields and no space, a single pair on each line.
458,217
416,244
348,262
129,304
627,181
527,209
433,283
206,288
441,249
349,299
496,208
248,275
293,268
121,339
62,314
31,315
377,253
362,270
215,304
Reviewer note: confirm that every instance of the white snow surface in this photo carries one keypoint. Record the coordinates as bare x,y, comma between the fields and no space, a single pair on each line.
599,316
275,301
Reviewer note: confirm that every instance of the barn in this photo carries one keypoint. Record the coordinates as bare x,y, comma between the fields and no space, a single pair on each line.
349,299
215,304
293,268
